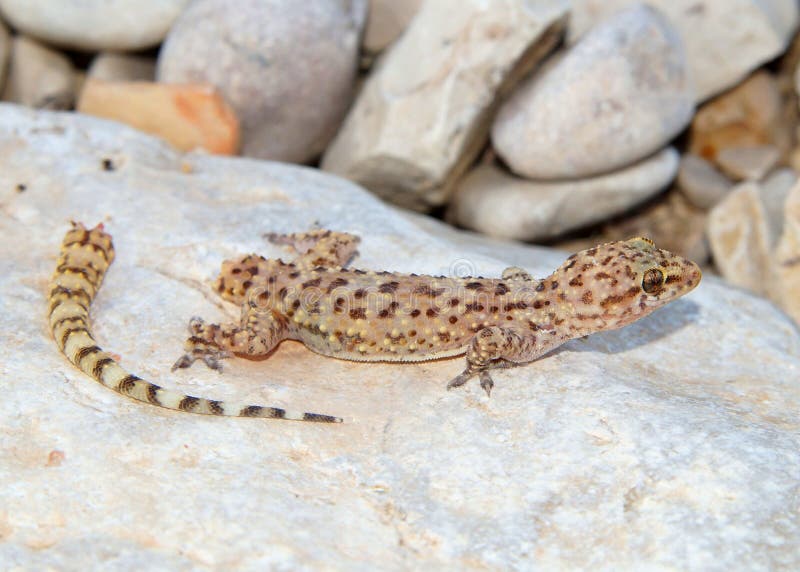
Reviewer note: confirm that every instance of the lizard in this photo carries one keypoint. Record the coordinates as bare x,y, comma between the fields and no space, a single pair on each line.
371,316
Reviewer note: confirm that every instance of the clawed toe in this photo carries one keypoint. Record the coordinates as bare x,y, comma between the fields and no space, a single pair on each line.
486,383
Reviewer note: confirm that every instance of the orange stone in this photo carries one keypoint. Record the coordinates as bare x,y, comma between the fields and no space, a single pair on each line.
187,116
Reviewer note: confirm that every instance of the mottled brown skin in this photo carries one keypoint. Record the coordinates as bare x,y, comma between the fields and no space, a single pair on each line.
384,316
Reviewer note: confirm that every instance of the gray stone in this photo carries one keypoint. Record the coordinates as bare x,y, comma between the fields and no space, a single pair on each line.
616,97
701,182
110,66
669,444
39,77
94,24
496,203
288,68
748,163
387,19
423,115
725,39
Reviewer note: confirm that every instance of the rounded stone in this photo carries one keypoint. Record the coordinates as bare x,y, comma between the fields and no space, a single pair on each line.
617,96
287,68
94,24
495,203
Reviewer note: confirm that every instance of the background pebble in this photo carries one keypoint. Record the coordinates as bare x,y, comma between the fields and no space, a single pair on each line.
725,39
617,96
498,204
287,68
39,76
94,24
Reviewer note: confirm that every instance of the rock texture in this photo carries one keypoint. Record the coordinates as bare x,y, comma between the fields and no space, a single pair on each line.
288,68
187,116
39,77
496,203
423,114
671,444
617,96
725,39
94,24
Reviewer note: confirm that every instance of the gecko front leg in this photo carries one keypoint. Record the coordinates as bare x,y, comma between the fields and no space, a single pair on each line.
497,348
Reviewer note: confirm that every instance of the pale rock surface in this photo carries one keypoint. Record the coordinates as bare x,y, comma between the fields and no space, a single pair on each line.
787,258
616,97
725,39
288,68
110,66
423,115
742,237
700,182
387,19
94,24
187,116
670,444
751,162
5,52
494,202
747,115
39,77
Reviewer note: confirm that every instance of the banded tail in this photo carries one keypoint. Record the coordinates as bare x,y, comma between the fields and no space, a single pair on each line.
85,257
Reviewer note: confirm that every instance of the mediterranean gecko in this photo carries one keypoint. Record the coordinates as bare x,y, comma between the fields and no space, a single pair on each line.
374,316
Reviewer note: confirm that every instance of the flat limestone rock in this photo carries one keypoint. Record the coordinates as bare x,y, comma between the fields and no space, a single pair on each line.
725,39
614,98
494,202
423,114
672,443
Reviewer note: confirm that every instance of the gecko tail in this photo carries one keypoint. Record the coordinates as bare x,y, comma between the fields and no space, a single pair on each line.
85,258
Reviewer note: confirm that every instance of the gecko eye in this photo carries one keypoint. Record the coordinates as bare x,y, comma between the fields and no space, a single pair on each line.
652,281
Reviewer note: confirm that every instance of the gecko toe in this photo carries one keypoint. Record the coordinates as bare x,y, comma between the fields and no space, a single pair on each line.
486,383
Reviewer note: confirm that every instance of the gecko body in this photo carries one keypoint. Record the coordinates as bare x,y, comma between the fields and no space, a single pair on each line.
363,315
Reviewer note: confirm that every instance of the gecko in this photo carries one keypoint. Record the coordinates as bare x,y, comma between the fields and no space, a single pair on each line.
370,316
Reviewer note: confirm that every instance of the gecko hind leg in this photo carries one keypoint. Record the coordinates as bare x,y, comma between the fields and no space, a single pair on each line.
201,344
319,247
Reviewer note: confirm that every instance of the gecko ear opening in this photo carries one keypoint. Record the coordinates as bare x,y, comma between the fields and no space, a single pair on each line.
653,281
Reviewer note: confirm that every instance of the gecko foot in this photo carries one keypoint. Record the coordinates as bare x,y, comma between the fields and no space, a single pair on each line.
486,380
199,346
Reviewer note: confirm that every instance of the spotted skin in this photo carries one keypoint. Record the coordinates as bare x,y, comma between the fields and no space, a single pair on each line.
383,316
85,257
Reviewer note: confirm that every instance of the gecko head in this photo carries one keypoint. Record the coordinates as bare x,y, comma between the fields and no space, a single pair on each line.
622,281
